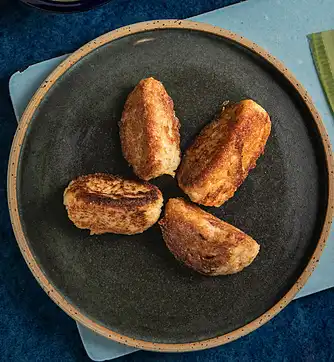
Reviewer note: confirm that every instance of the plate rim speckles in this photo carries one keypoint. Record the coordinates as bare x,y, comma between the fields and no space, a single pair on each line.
31,261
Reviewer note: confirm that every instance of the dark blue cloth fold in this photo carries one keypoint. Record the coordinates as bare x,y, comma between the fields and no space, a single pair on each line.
32,328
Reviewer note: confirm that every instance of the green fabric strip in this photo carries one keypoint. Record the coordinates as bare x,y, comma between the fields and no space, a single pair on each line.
322,47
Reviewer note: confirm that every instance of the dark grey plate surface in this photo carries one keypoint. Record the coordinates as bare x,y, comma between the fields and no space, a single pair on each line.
132,284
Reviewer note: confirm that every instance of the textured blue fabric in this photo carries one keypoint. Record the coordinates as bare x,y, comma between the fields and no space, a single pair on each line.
32,328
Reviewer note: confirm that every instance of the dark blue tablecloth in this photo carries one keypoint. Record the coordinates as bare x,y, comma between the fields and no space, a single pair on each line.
32,328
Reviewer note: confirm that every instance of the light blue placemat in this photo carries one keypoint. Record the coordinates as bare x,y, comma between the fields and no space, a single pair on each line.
280,27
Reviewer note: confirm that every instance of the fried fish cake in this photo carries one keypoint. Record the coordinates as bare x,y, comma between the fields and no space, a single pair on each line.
149,131
203,242
104,203
223,153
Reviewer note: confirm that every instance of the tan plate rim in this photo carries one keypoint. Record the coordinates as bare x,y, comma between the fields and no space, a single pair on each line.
55,295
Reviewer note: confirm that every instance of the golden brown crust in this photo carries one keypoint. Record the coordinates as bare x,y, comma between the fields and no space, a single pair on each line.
203,242
149,131
222,155
105,203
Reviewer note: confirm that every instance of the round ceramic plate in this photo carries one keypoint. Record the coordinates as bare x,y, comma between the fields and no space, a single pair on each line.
65,6
130,288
